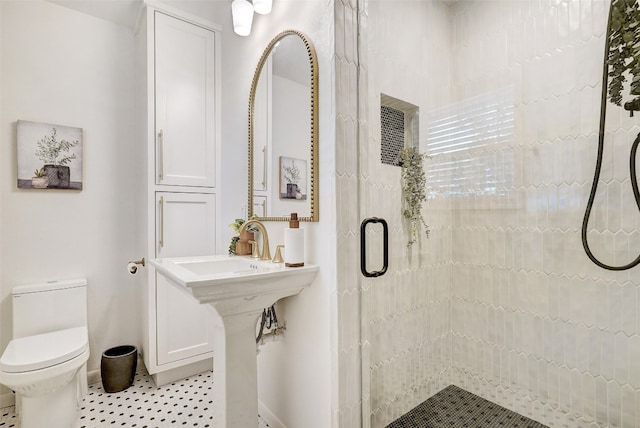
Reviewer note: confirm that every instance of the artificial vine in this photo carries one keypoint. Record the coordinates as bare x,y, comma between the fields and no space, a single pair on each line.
624,49
414,185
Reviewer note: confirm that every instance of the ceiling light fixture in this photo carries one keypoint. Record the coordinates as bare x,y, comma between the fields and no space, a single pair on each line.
263,7
242,14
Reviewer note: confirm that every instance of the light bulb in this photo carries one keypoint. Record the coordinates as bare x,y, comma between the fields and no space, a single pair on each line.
263,7
242,14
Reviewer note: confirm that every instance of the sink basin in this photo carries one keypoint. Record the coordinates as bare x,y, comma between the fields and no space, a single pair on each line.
232,266
221,278
188,271
237,288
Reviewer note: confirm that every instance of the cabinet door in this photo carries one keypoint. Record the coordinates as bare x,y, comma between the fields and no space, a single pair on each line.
185,227
185,224
260,205
184,103
184,327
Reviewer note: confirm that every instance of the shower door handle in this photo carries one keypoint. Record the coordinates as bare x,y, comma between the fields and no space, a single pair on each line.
363,247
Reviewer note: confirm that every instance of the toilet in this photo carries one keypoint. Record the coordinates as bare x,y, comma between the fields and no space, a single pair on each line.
46,362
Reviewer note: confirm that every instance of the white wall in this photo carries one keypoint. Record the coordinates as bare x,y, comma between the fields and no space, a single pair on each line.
294,375
63,67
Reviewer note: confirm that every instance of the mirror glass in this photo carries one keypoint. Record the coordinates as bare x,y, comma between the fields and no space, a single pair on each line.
283,161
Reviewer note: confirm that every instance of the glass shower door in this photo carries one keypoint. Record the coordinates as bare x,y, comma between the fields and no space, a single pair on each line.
405,325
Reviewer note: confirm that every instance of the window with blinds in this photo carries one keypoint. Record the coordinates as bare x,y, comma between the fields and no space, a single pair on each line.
470,143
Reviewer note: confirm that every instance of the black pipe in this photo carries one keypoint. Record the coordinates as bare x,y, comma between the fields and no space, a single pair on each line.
596,177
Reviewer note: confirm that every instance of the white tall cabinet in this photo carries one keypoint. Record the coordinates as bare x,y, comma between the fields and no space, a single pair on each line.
181,74
185,127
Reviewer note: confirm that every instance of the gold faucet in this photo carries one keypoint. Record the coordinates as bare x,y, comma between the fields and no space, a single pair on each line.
265,254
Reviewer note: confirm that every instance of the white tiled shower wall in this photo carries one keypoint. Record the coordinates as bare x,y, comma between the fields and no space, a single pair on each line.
536,325
507,304
346,345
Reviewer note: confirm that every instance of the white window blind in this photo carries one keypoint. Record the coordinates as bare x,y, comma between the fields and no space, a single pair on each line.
469,143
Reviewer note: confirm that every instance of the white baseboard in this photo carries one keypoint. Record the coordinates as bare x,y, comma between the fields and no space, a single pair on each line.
93,377
7,399
172,375
268,416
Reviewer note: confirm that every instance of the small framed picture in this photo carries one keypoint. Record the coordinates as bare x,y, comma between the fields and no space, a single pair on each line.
49,156
293,178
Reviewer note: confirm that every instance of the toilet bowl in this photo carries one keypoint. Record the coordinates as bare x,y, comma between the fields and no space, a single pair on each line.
45,363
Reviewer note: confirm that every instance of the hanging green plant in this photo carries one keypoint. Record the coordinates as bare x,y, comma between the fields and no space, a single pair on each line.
624,49
414,185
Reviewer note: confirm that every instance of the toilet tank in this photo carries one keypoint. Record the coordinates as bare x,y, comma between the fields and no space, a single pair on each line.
49,306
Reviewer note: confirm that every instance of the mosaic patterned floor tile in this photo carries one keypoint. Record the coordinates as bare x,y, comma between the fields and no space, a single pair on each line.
454,407
185,403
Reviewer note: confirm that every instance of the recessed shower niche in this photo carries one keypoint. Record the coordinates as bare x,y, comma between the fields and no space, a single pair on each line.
399,128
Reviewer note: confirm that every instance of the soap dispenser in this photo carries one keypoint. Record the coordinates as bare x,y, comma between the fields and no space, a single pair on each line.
294,243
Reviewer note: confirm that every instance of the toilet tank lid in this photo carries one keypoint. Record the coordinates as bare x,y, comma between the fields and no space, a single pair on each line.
49,285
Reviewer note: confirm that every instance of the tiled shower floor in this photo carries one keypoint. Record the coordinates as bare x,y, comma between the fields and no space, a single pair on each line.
454,407
183,403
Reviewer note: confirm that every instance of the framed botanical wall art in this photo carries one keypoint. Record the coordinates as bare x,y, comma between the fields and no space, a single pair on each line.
49,156
293,178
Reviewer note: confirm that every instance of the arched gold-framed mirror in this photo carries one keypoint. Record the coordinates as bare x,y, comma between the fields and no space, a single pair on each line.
283,131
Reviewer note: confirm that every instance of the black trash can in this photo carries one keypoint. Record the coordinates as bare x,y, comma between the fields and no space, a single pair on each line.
118,367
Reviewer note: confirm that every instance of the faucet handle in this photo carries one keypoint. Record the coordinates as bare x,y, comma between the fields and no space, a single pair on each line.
278,257
254,249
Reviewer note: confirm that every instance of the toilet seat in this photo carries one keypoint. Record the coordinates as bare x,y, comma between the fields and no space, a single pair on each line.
40,351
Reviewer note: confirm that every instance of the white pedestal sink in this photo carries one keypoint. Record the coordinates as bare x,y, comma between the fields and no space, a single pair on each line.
238,289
